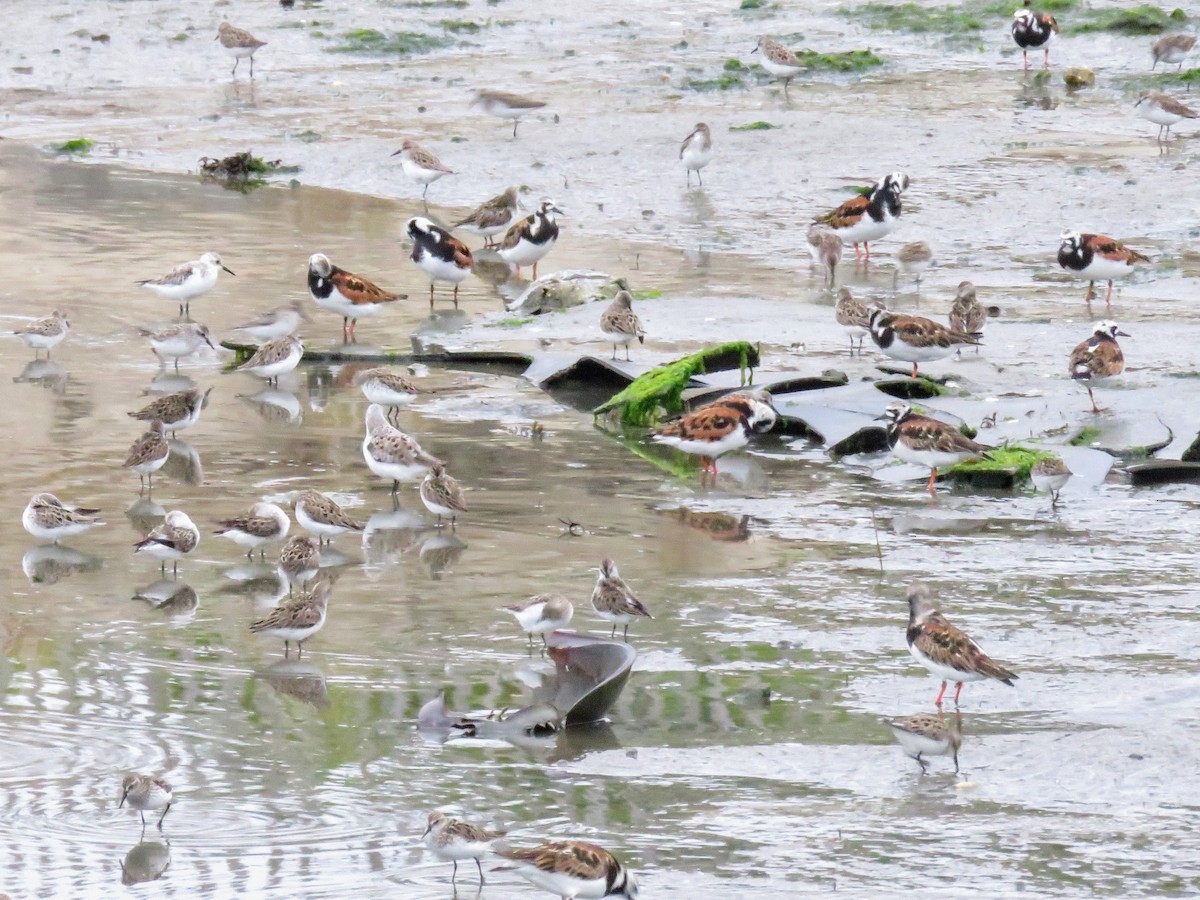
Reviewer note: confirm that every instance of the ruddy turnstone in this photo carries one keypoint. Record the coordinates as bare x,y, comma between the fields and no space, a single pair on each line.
1098,359
276,357
48,518
442,494
438,254
529,240
185,283
1032,30
387,387
453,839
264,522
696,151
239,44
1164,111
870,216
724,425
543,614
492,217
148,454
299,560
420,165
852,315
914,339
927,734
176,341
967,316
320,515
573,869
613,601
779,61
913,259
350,296
1173,49
176,411
1097,258
171,541
945,650
143,792
1050,474
297,619
392,454
279,322
926,441
620,325
505,105
45,333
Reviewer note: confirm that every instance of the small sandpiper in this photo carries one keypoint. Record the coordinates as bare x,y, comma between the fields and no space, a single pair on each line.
543,614
967,314
1097,258
420,165
613,601
185,283
620,325
392,454
1098,359
171,541
492,217
350,296
297,619
530,239
852,315
300,560
1164,111
279,322
443,495
320,515
276,357
505,105
913,259
1172,50
1050,474
48,518
177,341
148,454
239,44
927,734
143,792
696,151
265,522
453,839
387,387
176,411
779,61
45,333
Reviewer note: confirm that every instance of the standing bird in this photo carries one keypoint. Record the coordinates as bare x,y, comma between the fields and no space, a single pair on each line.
185,283
274,358
926,441
620,325
176,411
852,315
1164,111
614,602
148,454
779,61
442,494
913,258
926,734
492,217
830,254
1032,30
387,387
278,322
529,240
390,453
239,44
542,614
724,425
945,650
1050,474
967,316
45,333
453,839
420,165
696,151
505,105
1173,49
1097,258
177,341
869,216
350,296
573,869
47,517
914,339
298,619
438,254
1098,359
322,516
263,523
143,792
300,560
171,541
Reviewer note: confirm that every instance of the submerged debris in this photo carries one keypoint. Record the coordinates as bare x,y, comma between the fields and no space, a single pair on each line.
243,171
78,146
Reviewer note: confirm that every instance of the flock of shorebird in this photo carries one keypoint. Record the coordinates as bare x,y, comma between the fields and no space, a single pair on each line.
576,869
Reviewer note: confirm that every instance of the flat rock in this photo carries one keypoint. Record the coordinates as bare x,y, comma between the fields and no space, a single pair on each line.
1163,471
565,289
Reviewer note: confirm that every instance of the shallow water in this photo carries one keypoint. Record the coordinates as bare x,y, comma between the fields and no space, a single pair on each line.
306,779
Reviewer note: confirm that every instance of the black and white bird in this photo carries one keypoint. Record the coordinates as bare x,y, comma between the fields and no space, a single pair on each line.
438,254
868,216
1032,30
530,239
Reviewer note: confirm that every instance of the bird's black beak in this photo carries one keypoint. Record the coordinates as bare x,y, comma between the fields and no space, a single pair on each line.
123,796
398,152
428,828
755,50
229,270
1124,334
210,343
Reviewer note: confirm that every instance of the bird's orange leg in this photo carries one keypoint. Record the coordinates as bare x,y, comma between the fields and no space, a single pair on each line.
941,693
